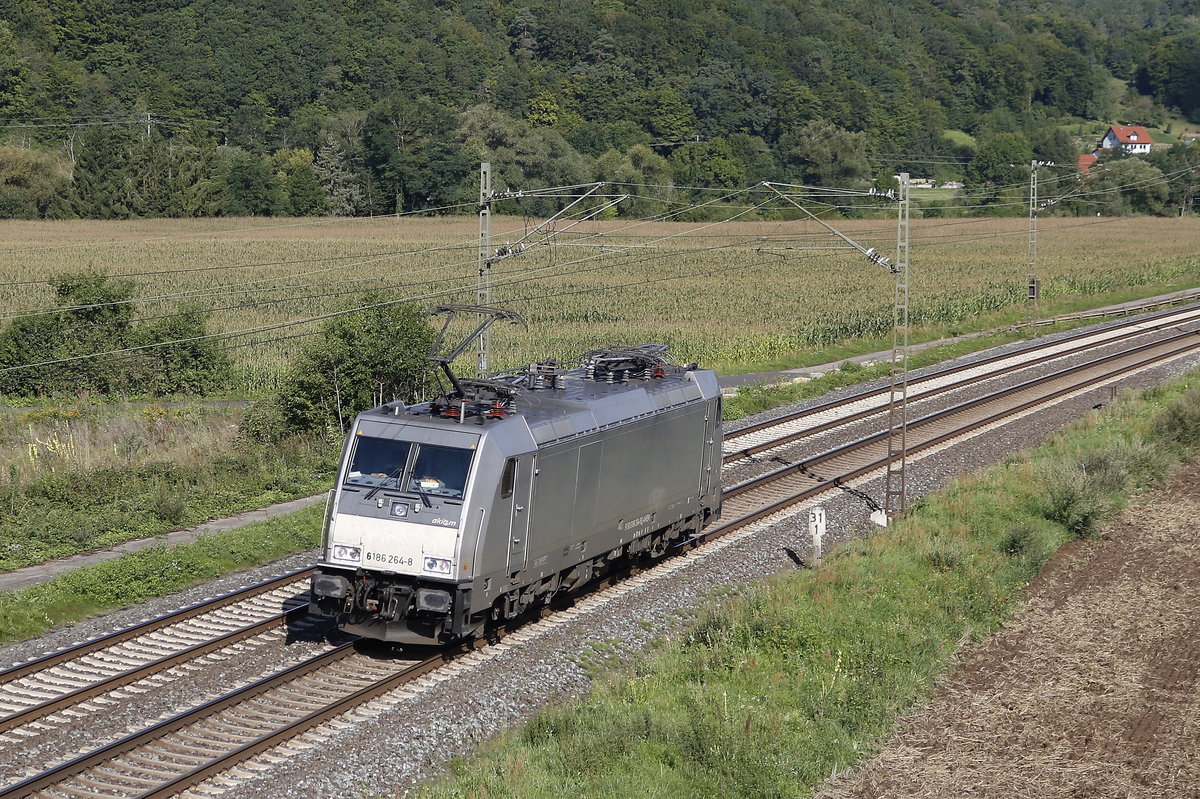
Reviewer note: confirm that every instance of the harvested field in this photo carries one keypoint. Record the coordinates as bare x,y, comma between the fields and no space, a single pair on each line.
1091,691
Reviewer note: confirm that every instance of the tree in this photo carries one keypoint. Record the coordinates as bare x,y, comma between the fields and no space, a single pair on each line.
522,157
411,149
186,360
13,74
796,105
1128,186
305,196
344,195
103,187
196,177
30,180
253,124
822,154
253,189
94,315
1001,162
668,116
708,164
1183,162
360,360
1053,144
1172,71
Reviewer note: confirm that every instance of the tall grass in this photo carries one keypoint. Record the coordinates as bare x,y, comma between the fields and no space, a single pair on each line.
792,679
84,478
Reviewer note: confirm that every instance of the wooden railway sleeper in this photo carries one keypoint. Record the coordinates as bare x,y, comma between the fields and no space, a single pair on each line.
197,744
100,782
234,730
109,771
248,709
150,766
171,751
304,698
79,793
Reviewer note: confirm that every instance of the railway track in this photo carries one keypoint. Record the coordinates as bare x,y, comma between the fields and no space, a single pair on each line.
793,483
763,437
229,738
67,678
187,749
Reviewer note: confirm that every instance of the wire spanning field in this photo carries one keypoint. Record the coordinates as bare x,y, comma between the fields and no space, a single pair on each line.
720,293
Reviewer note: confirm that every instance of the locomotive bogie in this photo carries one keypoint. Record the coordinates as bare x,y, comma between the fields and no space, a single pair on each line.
439,526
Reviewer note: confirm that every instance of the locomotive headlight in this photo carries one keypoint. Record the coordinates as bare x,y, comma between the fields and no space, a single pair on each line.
343,552
438,565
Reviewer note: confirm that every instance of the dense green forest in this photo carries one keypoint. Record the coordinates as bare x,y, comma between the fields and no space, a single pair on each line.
210,107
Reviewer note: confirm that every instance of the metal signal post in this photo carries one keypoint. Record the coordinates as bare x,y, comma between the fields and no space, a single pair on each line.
1034,288
894,487
894,490
484,285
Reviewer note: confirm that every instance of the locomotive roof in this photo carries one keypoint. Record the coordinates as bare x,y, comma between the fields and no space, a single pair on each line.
582,405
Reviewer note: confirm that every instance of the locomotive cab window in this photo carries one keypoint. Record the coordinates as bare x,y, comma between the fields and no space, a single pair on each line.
377,462
440,470
509,479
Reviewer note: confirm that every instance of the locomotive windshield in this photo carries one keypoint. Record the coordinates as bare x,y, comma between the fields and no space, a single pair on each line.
377,461
440,470
382,462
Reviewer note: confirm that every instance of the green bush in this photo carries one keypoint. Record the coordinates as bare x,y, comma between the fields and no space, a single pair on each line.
1179,422
360,361
1074,501
96,315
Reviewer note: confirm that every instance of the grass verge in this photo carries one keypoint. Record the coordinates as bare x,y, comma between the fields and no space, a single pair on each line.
757,398
804,674
153,572
72,509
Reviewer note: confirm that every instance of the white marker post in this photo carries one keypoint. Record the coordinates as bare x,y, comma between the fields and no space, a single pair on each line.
816,529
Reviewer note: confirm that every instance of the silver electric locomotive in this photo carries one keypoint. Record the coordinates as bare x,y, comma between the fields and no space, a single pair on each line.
504,492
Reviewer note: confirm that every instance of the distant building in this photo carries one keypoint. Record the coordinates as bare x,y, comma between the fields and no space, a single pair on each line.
952,184
1132,139
1086,161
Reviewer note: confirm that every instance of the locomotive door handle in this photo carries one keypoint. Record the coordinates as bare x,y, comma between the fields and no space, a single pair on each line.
519,507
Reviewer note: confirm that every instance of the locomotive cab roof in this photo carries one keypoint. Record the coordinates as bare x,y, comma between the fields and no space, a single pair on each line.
562,404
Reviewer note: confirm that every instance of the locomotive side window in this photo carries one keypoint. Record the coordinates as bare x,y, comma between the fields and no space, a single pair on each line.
377,462
440,470
509,479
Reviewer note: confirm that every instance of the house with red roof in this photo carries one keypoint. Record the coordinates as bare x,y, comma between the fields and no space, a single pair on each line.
1086,161
1132,139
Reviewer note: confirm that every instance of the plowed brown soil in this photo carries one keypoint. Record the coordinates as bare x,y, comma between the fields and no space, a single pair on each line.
1090,692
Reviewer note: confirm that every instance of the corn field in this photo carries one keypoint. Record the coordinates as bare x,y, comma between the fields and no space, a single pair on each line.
740,293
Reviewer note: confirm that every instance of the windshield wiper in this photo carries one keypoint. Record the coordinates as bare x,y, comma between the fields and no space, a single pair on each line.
393,473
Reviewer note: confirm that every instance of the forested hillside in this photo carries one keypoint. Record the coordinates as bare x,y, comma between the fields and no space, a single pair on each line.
205,107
